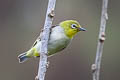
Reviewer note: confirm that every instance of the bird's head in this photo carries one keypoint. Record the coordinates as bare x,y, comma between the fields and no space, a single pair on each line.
71,27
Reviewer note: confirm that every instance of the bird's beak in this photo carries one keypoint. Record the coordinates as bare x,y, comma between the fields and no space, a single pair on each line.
81,29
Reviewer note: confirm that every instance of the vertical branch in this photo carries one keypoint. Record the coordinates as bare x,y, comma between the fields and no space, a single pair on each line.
104,18
45,36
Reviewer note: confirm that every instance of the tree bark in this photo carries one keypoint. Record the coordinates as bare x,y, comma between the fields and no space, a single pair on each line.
44,39
101,39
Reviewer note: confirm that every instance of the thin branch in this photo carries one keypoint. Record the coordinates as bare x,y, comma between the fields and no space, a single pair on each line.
45,36
104,18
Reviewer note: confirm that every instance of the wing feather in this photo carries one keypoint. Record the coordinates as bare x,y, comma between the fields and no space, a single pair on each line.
39,37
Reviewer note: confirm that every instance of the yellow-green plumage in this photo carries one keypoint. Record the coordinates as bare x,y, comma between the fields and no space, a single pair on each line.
60,37
67,27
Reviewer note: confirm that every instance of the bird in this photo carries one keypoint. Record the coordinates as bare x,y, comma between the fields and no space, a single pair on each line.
60,37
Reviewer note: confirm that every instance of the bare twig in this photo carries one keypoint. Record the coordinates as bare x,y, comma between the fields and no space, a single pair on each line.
104,17
45,36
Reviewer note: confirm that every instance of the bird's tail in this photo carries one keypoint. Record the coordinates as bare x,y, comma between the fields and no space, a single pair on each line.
22,57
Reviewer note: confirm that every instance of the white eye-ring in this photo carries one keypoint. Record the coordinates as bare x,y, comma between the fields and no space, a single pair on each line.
73,26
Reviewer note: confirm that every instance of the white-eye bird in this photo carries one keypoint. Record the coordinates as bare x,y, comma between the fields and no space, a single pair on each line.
60,36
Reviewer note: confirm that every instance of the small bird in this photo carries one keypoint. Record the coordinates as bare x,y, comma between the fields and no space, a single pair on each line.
60,36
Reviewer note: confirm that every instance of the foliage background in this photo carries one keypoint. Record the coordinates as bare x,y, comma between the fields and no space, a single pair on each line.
20,24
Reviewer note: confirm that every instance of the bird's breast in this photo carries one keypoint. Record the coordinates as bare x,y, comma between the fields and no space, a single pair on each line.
58,40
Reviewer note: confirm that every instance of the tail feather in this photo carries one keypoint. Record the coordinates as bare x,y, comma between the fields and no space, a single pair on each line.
22,57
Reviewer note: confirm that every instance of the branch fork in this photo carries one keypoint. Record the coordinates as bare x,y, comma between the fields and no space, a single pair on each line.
51,14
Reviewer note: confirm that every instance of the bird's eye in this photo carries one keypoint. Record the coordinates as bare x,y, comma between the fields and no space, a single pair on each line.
73,26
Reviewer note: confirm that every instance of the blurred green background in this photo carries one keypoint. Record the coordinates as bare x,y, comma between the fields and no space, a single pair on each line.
22,20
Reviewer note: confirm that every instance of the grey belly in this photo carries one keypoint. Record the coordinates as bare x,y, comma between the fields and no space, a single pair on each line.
57,45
